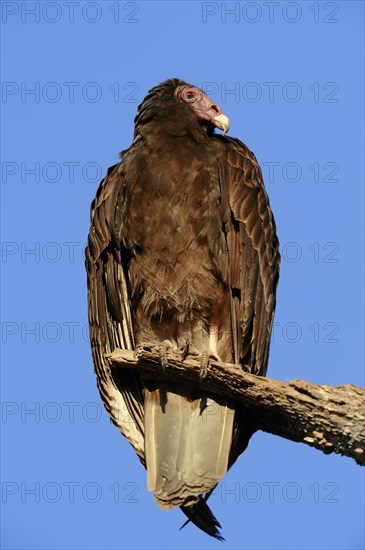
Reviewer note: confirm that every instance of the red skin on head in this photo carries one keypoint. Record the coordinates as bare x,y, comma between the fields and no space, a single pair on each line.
200,103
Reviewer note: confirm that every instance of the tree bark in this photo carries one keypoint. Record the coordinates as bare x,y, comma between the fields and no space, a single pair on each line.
329,418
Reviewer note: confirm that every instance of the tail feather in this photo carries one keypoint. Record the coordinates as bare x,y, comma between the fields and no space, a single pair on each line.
201,515
187,445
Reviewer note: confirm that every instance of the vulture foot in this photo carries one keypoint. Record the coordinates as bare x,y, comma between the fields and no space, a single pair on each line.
187,348
162,349
138,350
204,363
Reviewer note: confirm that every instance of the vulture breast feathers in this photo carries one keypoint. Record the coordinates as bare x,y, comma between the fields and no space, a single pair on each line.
182,252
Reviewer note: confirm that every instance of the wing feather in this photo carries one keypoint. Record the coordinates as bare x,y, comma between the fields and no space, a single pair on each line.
254,263
110,317
254,257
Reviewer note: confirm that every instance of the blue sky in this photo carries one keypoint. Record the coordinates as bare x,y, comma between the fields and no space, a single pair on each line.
289,76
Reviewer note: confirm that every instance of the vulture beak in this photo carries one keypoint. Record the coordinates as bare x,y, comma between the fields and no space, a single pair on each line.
207,110
222,122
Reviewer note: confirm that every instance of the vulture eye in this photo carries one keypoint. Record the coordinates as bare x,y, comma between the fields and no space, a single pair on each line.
190,95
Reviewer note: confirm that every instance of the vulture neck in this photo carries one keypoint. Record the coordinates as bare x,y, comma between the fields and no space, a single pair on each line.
176,123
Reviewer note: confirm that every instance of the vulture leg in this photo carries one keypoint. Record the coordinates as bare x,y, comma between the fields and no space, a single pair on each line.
185,349
212,351
213,341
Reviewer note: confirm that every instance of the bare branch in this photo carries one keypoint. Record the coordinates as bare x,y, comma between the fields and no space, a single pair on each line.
330,418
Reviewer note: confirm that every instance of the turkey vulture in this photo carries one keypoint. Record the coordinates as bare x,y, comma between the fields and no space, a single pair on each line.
182,252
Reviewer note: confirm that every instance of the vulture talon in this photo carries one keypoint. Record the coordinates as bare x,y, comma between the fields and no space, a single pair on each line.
247,368
204,363
138,351
189,349
162,349
185,350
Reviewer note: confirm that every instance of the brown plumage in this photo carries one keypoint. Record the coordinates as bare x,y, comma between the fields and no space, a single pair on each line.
182,249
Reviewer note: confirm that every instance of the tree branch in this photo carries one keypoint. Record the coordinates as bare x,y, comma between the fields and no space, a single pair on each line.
330,418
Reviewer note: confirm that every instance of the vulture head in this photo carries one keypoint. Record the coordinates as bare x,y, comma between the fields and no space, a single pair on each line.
177,108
